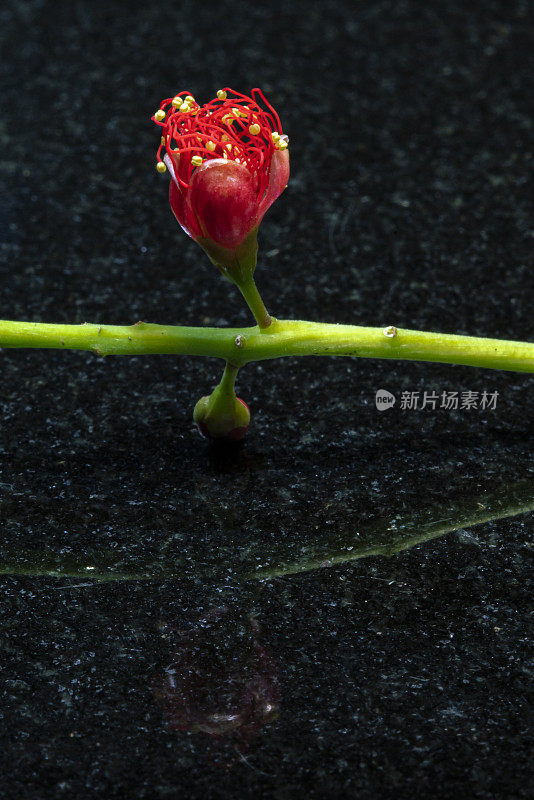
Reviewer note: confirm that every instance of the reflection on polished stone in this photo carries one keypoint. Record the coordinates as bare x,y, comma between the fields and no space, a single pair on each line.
221,681
242,555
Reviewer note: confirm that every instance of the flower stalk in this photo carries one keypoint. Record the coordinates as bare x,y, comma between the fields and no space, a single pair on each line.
240,346
250,292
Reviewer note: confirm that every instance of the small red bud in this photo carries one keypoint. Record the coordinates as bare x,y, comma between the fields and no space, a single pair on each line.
227,425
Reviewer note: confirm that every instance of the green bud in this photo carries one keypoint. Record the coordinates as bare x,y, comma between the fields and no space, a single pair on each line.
222,418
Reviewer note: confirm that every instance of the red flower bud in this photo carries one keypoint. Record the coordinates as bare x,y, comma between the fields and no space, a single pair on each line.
226,423
228,162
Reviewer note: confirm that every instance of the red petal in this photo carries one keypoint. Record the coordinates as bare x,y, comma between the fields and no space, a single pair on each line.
224,200
278,178
182,211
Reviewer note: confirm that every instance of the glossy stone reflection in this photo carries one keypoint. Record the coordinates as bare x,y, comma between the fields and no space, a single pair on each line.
221,682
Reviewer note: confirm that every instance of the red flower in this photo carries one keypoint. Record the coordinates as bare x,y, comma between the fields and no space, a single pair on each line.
228,162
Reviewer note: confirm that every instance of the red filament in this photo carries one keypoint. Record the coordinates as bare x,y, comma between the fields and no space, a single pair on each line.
225,125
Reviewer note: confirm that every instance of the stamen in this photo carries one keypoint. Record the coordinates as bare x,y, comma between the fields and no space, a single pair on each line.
283,142
220,128
161,168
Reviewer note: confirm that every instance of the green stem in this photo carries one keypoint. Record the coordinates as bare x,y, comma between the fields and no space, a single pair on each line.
249,290
240,346
226,386
219,406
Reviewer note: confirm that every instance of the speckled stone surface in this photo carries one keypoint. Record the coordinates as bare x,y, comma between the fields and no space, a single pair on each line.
257,634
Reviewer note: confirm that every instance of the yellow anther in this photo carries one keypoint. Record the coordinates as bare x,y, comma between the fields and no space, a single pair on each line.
177,101
254,129
162,140
185,107
221,94
196,161
160,166
210,146
189,98
228,147
159,115
275,136
283,142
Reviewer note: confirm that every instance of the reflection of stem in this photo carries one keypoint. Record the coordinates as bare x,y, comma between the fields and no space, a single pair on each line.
379,537
424,532
53,567
281,338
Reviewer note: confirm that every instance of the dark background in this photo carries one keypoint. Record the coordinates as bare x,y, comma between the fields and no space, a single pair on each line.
411,149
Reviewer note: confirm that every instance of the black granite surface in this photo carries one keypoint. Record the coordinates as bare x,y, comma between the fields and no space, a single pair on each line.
339,608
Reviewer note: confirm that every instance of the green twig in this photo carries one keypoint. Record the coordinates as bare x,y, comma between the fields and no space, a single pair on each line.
281,338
